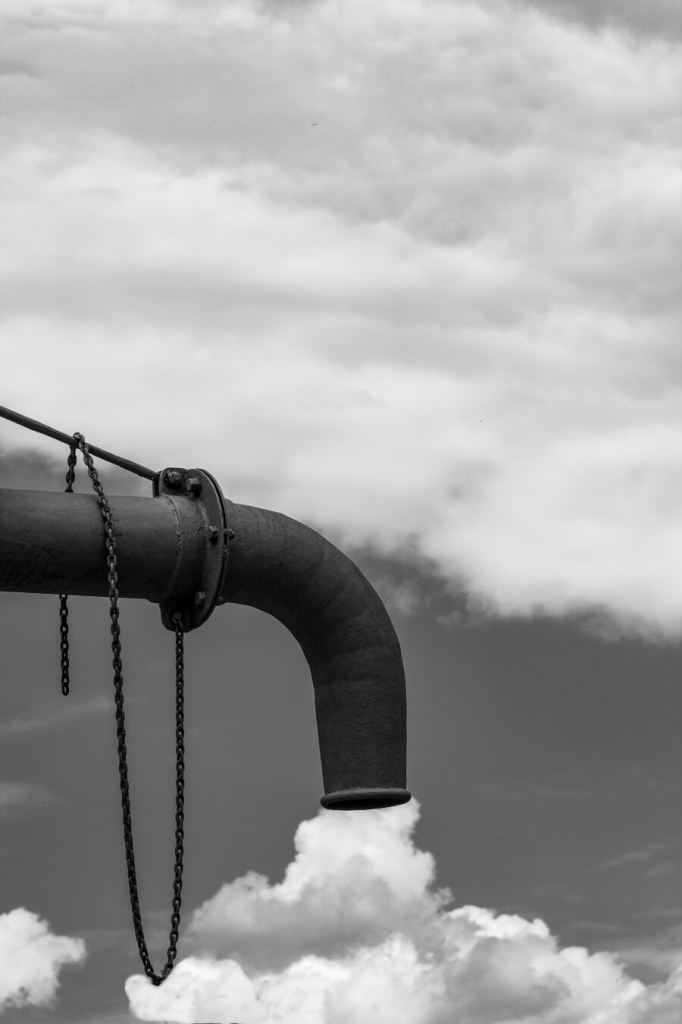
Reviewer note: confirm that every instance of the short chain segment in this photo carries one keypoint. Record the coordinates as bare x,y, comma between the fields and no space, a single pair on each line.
64,641
63,600
112,576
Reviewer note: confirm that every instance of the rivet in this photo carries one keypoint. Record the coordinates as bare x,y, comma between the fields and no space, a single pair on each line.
193,484
200,597
172,478
213,534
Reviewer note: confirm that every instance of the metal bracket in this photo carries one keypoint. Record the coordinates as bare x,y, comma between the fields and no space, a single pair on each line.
203,537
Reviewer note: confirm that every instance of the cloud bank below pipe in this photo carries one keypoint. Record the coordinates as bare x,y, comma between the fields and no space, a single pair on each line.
356,931
32,957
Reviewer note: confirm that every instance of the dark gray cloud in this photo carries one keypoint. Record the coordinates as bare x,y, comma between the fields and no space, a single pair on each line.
661,18
54,717
34,470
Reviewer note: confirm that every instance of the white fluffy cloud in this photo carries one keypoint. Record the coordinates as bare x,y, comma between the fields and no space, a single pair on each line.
356,932
32,957
407,270
355,879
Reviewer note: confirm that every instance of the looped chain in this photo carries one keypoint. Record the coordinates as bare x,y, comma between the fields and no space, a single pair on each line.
112,577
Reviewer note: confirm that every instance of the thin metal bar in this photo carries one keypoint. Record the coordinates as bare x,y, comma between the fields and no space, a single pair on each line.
41,428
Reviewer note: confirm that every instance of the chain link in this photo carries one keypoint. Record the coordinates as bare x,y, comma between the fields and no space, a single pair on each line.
112,577
64,641
63,599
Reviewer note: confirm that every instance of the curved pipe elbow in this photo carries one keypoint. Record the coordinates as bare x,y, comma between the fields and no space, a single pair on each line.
288,570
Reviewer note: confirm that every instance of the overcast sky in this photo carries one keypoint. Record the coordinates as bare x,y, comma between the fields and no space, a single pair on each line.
408,271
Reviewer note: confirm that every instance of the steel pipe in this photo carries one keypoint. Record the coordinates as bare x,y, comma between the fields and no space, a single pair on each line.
53,543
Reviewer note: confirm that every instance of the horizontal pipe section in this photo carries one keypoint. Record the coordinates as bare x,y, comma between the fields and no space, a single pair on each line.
53,543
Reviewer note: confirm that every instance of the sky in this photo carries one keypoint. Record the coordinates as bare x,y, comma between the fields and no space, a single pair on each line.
407,271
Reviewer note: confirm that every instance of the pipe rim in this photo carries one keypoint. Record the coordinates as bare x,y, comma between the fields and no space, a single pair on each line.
361,798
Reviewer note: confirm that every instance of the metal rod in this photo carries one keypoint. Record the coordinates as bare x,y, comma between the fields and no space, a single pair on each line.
42,428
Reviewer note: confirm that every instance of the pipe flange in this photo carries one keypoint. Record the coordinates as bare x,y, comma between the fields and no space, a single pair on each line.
203,539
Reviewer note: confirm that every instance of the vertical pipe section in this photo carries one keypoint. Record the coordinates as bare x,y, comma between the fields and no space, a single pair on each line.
288,570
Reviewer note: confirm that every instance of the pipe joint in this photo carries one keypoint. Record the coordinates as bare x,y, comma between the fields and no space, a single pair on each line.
201,545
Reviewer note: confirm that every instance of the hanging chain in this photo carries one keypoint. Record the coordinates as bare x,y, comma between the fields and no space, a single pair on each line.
63,599
112,577
64,641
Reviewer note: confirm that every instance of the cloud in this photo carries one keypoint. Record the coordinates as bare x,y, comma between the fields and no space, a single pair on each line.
356,931
55,717
659,954
15,795
352,882
647,853
116,1018
30,469
32,957
527,792
446,317
655,17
